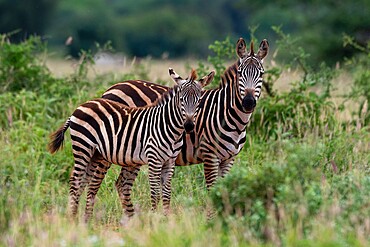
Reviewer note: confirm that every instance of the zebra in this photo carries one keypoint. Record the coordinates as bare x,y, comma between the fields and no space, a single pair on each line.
104,132
224,112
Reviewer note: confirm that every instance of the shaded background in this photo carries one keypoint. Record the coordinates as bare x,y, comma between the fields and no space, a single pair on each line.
178,28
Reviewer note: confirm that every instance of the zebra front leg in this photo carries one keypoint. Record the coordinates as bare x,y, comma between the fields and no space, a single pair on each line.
155,169
101,167
124,185
211,164
166,178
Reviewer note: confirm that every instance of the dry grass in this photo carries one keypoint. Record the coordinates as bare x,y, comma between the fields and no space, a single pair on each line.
158,71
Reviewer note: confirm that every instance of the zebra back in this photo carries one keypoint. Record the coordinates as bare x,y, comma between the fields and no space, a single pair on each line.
135,93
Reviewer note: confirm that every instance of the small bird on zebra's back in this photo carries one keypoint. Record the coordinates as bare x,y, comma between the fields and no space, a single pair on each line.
104,132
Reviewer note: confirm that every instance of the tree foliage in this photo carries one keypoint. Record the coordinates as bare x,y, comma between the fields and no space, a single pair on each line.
186,27
26,17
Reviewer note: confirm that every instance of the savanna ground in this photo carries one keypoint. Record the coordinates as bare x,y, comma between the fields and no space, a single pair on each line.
302,179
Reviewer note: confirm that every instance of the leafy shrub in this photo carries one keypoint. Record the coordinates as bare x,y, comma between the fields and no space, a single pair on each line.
250,193
295,193
30,92
352,194
301,109
360,92
20,68
345,151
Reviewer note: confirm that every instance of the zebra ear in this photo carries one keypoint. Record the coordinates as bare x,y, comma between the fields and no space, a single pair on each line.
251,50
175,77
263,50
206,80
193,75
241,48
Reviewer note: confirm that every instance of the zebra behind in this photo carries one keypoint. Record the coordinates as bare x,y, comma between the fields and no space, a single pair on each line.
104,132
220,131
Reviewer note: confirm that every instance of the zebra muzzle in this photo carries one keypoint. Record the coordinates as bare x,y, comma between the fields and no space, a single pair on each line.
249,103
189,126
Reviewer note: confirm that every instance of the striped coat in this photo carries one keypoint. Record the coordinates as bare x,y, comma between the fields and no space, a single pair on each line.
104,132
220,131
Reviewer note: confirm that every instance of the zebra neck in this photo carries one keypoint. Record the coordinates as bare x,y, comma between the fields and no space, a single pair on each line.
168,118
230,88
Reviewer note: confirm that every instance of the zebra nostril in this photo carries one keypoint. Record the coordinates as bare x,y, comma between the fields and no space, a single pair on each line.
249,102
189,126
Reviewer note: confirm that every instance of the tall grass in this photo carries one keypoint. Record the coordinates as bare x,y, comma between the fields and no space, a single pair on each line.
303,178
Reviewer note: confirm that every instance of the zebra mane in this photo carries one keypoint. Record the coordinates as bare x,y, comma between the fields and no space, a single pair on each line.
165,97
231,71
161,100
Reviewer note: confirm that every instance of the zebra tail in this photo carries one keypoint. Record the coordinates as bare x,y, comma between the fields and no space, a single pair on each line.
57,138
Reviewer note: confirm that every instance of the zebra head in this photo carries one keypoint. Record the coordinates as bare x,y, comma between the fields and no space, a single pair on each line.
250,71
190,92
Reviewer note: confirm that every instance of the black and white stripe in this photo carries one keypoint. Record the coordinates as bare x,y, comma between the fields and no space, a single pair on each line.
104,132
223,113
222,118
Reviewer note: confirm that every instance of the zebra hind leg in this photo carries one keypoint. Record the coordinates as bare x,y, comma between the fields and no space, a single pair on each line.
78,180
124,185
99,167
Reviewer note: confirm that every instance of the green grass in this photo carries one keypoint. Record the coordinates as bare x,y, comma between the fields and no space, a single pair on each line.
34,192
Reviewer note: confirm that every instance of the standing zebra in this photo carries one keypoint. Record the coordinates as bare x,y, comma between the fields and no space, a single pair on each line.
220,128
223,112
104,132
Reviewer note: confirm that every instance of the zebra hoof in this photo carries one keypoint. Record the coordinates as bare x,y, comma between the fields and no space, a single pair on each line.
125,220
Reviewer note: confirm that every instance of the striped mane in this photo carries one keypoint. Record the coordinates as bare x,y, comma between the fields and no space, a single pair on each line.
230,73
165,97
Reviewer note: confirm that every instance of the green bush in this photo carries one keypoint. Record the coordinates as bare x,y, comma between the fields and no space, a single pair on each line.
351,193
360,92
295,193
20,67
250,193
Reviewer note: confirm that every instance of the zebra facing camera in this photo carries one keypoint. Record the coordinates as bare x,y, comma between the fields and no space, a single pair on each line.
189,126
249,103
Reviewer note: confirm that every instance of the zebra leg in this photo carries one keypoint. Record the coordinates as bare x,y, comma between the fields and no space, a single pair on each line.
99,167
225,167
211,164
166,177
155,169
124,185
78,179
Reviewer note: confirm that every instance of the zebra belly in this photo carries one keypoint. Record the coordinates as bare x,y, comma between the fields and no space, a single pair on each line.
194,151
